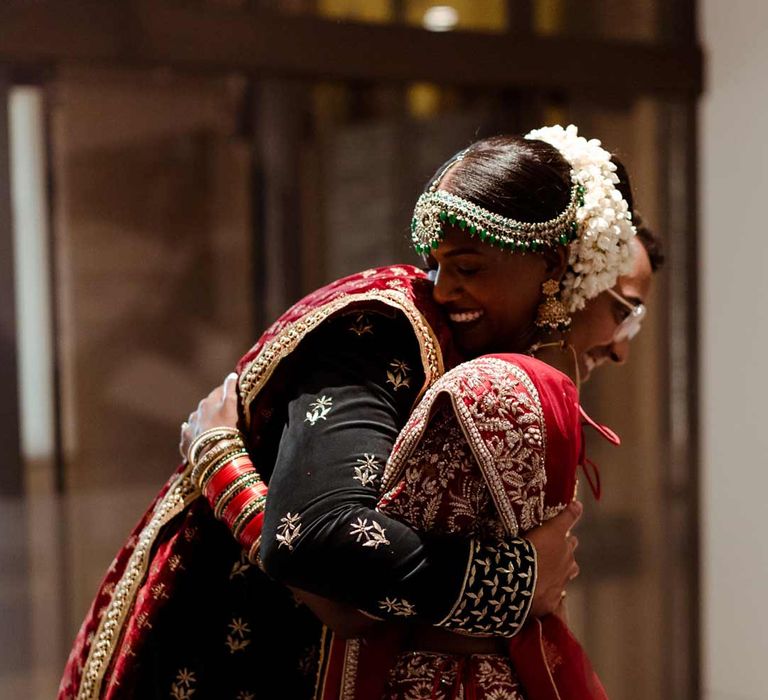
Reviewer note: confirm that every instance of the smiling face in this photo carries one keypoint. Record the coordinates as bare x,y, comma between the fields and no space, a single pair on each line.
593,328
490,296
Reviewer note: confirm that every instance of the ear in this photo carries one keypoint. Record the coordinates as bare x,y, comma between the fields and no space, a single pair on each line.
556,261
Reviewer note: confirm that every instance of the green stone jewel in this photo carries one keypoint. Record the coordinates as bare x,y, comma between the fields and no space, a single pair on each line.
462,224
435,243
472,230
563,238
452,219
534,246
443,216
483,235
413,224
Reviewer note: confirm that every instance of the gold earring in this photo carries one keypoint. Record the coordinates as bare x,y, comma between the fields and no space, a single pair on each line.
552,315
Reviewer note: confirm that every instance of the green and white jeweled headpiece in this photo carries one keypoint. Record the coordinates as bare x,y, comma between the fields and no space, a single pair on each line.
436,209
601,251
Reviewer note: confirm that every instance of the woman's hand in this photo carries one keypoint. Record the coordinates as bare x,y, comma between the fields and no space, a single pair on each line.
556,563
218,409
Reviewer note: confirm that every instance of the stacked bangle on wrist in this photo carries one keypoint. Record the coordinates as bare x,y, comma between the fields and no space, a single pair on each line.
227,478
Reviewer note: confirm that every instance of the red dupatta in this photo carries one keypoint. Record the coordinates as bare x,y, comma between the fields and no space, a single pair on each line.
178,534
520,423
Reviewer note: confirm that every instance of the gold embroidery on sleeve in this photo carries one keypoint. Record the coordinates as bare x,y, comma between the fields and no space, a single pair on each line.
319,409
238,639
366,469
398,375
288,530
399,607
369,532
361,325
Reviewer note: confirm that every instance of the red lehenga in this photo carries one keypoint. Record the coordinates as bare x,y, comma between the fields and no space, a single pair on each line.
181,575
492,449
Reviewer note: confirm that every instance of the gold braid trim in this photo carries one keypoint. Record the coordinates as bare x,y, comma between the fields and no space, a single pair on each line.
255,375
488,464
183,492
179,496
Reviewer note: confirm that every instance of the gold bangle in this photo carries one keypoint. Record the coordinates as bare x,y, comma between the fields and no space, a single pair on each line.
252,509
222,448
239,485
213,466
207,437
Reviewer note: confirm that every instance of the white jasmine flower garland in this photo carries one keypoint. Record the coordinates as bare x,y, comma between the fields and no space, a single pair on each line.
601,253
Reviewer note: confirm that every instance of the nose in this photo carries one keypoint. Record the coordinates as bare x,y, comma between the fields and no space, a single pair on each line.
447,288
619,352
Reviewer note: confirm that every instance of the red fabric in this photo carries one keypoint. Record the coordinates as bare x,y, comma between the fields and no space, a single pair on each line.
193,535
225,476
551,664
498,420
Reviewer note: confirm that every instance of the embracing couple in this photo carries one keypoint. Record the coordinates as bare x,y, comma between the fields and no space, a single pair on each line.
379,502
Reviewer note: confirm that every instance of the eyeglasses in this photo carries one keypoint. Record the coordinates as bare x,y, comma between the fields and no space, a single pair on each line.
630,326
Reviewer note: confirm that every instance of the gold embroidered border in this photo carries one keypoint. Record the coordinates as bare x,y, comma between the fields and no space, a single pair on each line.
483,456
255,375
349,673
179,495
396,464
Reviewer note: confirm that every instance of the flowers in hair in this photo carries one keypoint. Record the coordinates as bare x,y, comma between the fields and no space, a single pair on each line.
601,252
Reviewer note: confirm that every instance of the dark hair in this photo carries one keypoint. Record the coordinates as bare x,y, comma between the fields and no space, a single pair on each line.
518,178
650,241
528,180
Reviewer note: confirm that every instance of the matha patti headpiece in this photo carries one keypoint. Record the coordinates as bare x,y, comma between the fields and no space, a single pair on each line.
436,209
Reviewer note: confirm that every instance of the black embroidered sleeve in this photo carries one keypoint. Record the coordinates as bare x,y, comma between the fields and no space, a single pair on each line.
358,379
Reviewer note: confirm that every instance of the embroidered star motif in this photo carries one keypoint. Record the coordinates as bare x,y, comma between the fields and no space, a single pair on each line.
366,469
401,607
369,532
288,530
239,628
319,409
240,567
397,375
361,325
185,677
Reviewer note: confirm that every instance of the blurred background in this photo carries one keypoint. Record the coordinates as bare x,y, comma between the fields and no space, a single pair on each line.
174,173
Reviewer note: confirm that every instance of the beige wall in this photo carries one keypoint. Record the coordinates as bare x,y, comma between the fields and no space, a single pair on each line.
734,381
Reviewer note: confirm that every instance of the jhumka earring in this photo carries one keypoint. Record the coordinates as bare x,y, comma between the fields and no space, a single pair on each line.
553,314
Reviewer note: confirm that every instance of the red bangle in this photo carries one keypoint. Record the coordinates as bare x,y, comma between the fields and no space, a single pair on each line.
252,531
225,476
238,505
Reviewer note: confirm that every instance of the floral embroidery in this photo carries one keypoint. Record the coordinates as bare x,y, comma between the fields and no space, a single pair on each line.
366,469
399,607
237,639
319,409
397,375
426,675
183,688
240,567
498,409
369,532
498,590
158,591
175,562
361,325
288,530
551,654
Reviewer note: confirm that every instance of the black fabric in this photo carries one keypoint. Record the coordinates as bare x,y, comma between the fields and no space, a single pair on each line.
344,549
